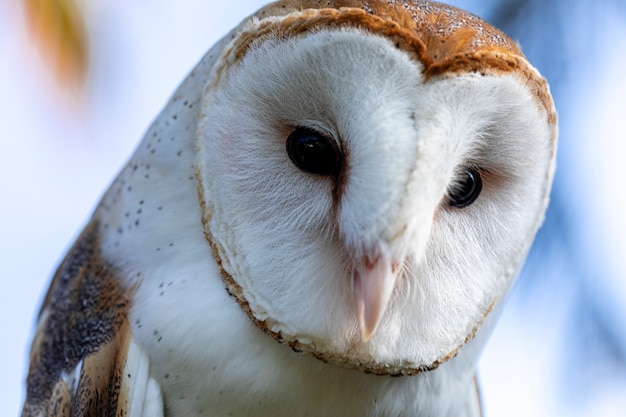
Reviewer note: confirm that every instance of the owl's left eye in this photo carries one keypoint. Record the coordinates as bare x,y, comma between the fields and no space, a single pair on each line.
313,152
467,189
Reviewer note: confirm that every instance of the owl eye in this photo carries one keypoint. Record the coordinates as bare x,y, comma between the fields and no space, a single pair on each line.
464,192
313,152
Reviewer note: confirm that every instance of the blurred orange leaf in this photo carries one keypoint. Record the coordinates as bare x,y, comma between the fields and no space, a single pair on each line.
58,28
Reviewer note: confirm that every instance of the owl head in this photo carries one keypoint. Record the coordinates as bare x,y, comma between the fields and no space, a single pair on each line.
371,176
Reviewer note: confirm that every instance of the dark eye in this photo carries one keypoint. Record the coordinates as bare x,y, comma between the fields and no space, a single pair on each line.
466,190
313,152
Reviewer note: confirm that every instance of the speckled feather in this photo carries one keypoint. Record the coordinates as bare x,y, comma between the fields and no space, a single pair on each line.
83,321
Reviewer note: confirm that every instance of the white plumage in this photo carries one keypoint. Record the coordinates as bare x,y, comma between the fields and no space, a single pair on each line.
337,194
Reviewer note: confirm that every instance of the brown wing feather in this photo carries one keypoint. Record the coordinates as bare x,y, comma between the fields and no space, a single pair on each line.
83,322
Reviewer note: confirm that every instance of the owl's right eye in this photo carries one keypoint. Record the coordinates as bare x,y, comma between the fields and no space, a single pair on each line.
313,152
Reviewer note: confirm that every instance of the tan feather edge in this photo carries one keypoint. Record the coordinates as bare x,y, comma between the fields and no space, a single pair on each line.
83,323
479,397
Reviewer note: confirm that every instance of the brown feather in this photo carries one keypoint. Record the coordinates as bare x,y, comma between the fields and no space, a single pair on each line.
83,319
448,41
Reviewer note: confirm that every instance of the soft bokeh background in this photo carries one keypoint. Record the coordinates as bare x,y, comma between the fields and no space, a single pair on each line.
560,346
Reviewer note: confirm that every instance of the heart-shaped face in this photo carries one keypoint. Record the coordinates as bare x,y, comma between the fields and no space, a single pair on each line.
371,184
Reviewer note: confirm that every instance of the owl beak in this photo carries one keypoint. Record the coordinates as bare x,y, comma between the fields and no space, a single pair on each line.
373,283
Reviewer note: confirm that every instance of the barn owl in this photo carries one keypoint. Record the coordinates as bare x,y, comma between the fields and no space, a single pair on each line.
323,221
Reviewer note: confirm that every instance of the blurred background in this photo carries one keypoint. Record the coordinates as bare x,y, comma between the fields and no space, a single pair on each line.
81,80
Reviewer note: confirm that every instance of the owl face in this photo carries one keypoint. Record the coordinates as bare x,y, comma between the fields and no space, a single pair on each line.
362,209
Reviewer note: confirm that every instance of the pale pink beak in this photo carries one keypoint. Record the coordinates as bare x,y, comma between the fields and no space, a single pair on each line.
373,284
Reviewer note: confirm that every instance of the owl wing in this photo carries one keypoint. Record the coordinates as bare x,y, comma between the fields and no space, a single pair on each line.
83,360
